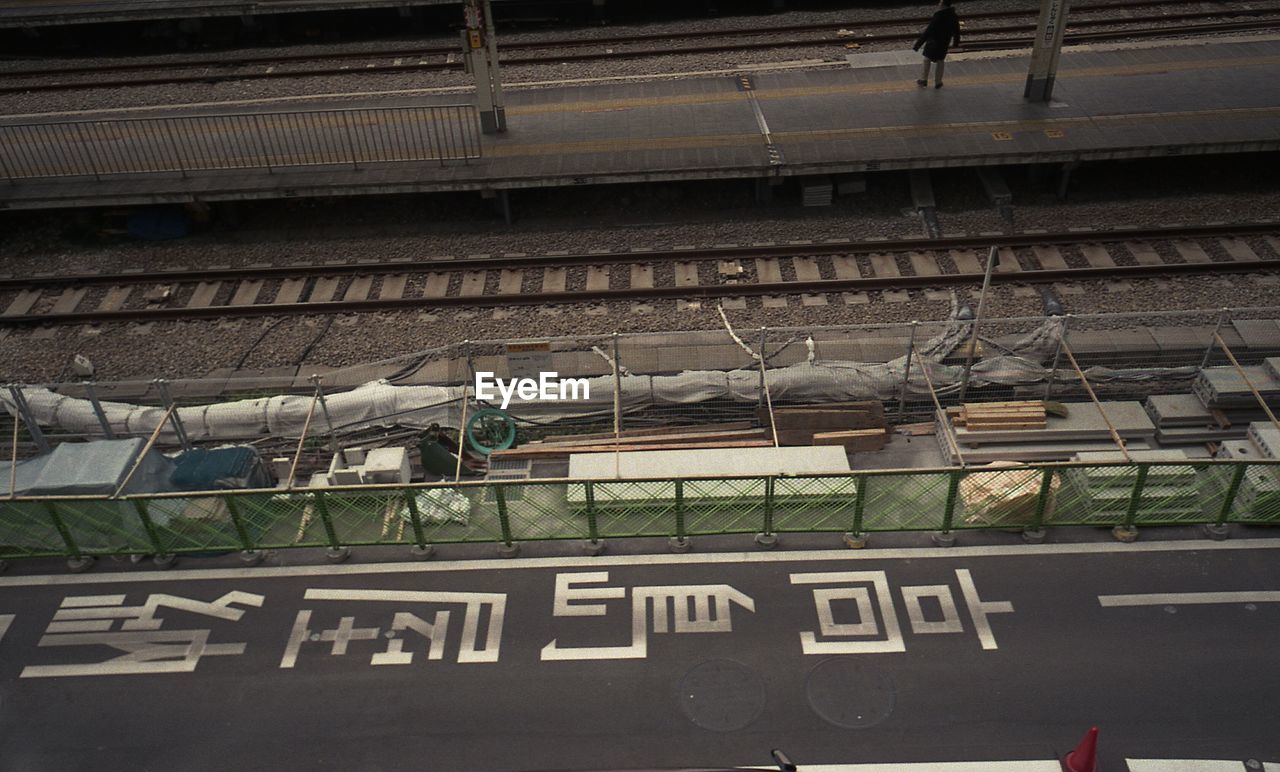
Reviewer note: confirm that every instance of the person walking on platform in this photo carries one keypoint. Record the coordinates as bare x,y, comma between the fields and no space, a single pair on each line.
943,31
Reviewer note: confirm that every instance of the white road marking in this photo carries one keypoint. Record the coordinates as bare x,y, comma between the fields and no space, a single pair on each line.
1030,765
1187,598
5,621
604,561
978,608
1190,765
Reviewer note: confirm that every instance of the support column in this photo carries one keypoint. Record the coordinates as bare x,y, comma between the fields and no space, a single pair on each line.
1046,49
480,44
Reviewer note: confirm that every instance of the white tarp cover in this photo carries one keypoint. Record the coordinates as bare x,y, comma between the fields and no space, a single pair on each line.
380,403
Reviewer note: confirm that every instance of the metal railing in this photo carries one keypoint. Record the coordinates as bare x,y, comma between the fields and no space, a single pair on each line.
232,141
1118,496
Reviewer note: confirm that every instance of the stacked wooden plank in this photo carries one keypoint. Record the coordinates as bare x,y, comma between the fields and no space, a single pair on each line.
1083,429
982,416
723,436
857,426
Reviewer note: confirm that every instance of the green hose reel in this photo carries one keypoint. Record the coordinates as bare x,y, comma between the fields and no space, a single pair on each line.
490,429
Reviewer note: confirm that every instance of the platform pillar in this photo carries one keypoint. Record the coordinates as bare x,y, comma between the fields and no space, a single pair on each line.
1046,49
480,44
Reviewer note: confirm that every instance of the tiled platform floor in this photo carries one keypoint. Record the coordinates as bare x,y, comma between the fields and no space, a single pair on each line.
1207,97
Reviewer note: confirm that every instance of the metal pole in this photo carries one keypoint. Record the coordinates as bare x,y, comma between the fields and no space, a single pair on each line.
1208,350
137,462
906,371
1057,353
178,428
977,322
98,411
617,413
764,387
302,438
24,412
495,68
1046,49
324,408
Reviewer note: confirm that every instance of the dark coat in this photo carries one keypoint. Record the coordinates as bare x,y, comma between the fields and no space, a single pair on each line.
943,29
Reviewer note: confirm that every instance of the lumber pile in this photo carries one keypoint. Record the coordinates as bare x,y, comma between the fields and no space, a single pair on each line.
723,436
998,416
1066,430
858,426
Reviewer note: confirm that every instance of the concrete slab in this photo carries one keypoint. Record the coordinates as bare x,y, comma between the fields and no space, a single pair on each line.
473,283
773,301
393,286
1007,261
325,289
68,300
641,276
884,266
1238,249
768,270
806,269
246,293
202,297
1097,256
290,291
1192,252
554,280
1050,258
437,285
510,281
686,274
846,267
597,278
1144,253
115,299
966,260
923,265
1258,333
813,300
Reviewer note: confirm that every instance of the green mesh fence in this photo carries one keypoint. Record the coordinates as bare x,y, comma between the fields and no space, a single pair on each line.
1009,497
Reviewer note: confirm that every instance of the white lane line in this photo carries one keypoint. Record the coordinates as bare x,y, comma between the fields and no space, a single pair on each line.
438,90
1187,598
1189,765
87,601
273,572
979,609
1030,765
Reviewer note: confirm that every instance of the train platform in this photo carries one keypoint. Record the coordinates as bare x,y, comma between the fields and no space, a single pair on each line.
1116,101
27,14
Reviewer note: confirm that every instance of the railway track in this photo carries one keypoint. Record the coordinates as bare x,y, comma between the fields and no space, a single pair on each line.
817,270
1253,16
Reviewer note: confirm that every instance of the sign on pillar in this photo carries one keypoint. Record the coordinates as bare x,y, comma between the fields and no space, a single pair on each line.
1046,50
481,47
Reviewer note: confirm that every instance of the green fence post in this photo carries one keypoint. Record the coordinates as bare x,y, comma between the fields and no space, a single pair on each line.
508,548
162,560
76,560
1034,534
1128,531
945,538
679,542
420,546
856,538
593,545
1218,530
767,538
247,553
336,552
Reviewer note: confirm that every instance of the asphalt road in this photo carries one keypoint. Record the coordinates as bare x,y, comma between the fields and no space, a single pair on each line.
923,655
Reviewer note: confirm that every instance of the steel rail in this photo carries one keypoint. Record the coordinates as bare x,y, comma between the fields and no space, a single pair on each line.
579,42
746,251
272,74
1039,276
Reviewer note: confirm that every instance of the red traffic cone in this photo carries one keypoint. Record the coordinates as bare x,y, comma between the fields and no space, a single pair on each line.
1085,757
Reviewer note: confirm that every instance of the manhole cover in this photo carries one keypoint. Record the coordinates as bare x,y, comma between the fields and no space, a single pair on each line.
850,695
722,695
